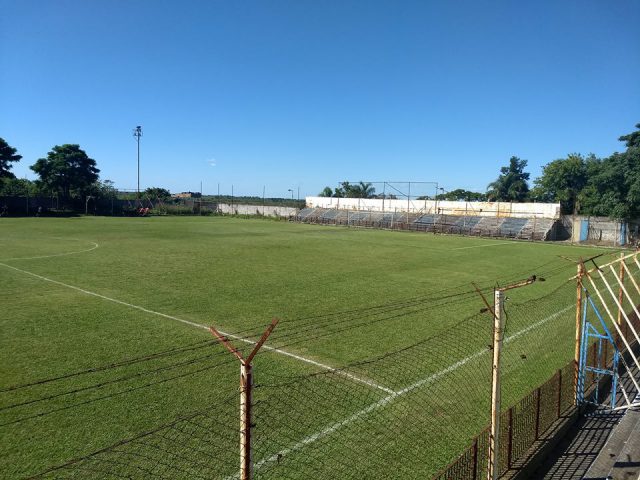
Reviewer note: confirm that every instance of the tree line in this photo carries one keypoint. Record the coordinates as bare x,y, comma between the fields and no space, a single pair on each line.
70,174
587,185
581,184
67,171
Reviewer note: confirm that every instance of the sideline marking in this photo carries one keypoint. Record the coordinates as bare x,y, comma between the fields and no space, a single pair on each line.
95,245
199,325
389,398
482,246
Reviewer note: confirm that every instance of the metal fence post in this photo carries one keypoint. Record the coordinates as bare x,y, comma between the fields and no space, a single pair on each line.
246,384
576,358
510,439
475,459
620,289
559,411
538,394
595,359
494,432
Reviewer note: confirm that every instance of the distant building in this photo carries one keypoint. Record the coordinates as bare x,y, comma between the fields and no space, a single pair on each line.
187,195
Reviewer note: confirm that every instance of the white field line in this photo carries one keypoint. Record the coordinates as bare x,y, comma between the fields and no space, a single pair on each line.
199,325
389,398
482,246
95,245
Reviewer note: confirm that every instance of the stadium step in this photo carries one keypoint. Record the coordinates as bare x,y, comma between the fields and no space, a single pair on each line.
620,457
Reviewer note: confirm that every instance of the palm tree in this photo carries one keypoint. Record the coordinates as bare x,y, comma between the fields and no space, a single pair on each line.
366,190
511,185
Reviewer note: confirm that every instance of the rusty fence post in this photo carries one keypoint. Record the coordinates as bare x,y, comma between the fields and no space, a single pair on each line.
578,331
620,289
510,439
538,395
559,410
493,471
475,459
246,386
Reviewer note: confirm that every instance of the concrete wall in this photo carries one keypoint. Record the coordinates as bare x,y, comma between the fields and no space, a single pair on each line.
446,207
267,211
601,230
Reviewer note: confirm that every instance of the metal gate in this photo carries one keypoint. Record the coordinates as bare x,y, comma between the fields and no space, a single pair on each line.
608,364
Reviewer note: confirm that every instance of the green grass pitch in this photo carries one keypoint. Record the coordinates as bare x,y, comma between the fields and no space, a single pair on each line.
79,294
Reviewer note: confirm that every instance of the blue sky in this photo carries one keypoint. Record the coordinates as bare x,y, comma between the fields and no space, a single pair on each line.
290,94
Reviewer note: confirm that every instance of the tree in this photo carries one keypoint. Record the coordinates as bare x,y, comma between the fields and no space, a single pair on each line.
17,187
349,191
613,184
632,139
326,192
102,190
7,156
562,181
511,185
461,194
613,187
158,193
365,190
67,169
361,190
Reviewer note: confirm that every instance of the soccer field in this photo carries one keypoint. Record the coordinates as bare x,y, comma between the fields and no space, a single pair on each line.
380,353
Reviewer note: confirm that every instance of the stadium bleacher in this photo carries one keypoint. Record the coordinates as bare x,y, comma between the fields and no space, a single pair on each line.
505,227
511,227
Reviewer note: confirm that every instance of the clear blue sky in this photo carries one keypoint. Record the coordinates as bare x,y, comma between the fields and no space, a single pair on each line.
309,93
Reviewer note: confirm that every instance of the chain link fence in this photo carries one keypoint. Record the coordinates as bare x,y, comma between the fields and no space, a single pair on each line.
399,414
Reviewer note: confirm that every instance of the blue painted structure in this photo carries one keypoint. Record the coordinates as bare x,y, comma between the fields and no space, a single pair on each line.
584,230
589,332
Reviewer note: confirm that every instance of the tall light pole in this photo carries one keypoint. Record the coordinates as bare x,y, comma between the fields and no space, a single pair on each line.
291,190
137,133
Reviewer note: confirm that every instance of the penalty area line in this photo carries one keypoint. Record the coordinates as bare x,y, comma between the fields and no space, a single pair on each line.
204,327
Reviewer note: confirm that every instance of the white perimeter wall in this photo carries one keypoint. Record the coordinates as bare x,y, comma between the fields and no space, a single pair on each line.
267,211
444,207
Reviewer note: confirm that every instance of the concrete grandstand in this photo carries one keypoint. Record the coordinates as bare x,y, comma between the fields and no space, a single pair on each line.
526,221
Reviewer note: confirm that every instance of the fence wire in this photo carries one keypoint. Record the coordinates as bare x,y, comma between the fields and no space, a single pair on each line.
200,445
413,406
399,414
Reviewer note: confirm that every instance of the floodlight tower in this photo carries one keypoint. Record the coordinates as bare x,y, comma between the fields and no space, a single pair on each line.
137,133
